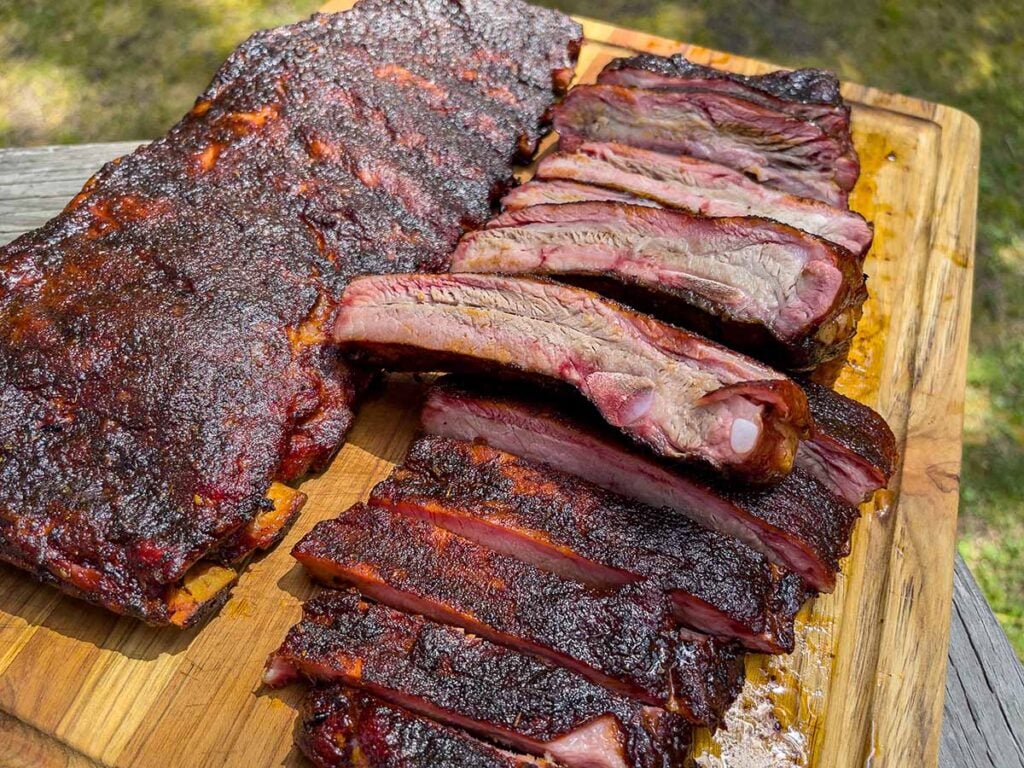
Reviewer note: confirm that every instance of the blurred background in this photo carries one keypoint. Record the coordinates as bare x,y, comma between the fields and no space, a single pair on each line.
89,70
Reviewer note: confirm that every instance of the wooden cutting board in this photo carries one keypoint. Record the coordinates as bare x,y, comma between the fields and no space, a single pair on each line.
865,684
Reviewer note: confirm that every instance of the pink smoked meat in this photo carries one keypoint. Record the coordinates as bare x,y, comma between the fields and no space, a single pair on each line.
674,391
798,524
754,284
699,186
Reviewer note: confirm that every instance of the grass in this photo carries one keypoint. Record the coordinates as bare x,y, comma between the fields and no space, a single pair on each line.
88,70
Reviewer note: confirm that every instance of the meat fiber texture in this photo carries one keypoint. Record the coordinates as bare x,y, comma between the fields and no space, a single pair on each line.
624,641
698,186
746,128
461,680
765,288
165,352
678,393
565,525
798,523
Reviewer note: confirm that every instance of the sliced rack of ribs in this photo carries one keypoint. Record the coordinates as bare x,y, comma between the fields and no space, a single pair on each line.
798,523
341,727
759,286
167,350
461,680
625,641
717,585
733,126
697,186
675,391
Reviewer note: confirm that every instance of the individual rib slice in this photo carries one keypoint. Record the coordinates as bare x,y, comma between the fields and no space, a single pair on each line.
448,675
760,286
779,150
558,191
342,728
682,395
852,451
701,187
562,524
798,524
624,641
810,94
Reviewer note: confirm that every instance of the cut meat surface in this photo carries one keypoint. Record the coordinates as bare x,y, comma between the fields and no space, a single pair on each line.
156,382
342,728
799,523
567,526
558,191
810,94
678,393
760,286
852,451
465,681
700,187
624,641
779,150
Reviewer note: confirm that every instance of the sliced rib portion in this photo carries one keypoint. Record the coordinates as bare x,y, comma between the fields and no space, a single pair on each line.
562,524
701,187
342,728
852,451
624,640
762,286
558,191
680,394
779,150
465,681
810,94
798,524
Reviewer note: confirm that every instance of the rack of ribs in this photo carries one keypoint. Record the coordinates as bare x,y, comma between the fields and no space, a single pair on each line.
167,351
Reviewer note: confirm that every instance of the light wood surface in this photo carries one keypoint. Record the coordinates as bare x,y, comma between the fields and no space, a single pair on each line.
865,685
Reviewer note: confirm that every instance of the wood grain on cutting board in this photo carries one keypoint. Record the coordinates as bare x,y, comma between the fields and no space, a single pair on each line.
80,686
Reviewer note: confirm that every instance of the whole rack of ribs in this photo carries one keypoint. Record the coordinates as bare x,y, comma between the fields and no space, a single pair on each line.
165,355
462,680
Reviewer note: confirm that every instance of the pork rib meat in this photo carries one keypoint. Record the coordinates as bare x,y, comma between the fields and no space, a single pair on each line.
678,393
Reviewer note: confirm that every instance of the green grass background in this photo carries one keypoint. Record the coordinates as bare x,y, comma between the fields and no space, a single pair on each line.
88,70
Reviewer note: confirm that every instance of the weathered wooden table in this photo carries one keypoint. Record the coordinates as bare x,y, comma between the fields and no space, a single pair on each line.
984,709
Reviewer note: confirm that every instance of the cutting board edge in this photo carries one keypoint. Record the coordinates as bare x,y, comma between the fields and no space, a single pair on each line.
599,31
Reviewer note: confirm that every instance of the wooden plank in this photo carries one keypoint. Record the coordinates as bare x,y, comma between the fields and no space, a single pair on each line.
984,718
865,684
